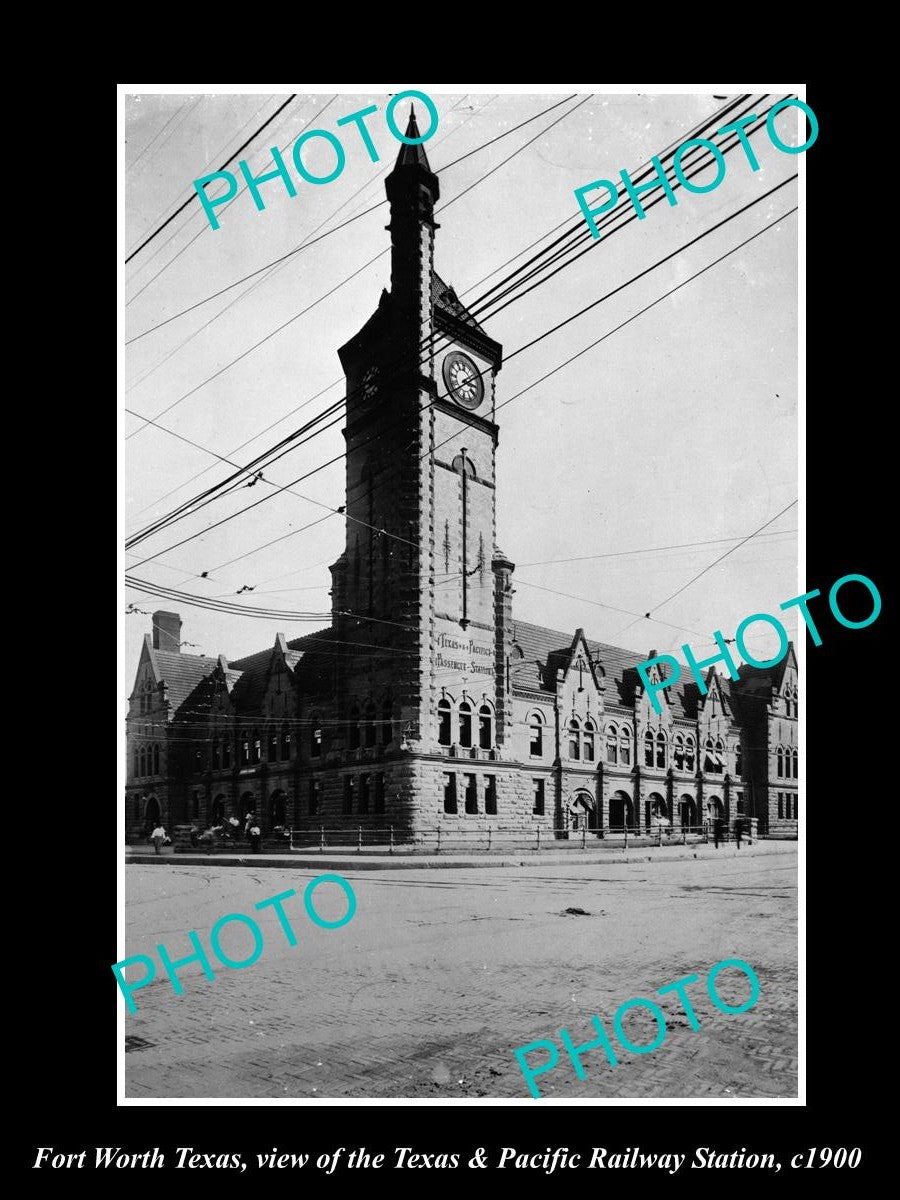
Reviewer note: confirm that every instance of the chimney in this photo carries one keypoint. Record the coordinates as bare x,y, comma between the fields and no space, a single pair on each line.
167,631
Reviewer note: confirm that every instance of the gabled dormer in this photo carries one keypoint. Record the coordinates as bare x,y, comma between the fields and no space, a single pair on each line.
646,714
279,694
714,709
785,697
147,692
580,679
221,683
580,685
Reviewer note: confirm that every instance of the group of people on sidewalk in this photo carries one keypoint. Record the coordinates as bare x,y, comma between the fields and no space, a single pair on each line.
229,832
209,837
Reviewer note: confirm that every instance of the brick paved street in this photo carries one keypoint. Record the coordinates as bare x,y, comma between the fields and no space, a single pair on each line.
442,972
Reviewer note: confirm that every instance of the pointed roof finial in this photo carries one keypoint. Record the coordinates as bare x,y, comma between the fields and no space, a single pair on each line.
411,168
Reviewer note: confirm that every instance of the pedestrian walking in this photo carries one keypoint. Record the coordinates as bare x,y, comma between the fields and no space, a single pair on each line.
738,831
158,837
717,831
255,838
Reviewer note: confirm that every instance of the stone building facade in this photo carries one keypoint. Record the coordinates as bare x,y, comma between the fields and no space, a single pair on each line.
426,703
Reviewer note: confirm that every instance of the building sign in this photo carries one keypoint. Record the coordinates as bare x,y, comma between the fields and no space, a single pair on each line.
463,653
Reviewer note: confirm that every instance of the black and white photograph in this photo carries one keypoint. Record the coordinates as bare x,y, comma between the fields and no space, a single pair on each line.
462,642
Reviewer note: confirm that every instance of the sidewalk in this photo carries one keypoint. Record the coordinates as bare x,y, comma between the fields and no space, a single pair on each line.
343,860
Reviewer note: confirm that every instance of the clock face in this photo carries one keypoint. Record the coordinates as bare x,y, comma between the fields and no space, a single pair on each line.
463,379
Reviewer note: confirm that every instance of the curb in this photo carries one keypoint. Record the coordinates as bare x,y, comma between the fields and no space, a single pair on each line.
424,862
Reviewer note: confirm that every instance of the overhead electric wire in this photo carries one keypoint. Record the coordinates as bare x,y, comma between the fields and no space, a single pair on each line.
330,461
364,213
717,117
534,341
272,333
639,173
203,228
543,378
181,111
646,550
218,605
194,194
224,145
716,561
274,270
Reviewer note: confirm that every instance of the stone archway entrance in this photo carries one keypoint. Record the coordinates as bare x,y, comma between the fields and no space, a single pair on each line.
714,808
657,811
581,811
277,809
687,809
621,814
152,816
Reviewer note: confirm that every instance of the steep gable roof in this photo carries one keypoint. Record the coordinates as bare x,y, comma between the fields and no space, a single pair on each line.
181,673
443,296
545,650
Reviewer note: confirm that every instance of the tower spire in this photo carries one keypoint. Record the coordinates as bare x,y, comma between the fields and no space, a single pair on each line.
412,189
413,156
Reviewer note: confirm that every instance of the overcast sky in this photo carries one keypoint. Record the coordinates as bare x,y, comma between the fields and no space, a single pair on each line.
680,428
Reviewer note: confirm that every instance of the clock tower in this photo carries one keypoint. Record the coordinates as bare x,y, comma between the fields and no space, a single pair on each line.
419,591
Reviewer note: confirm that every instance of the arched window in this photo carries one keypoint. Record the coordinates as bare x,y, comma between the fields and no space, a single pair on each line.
371,734
660,749
315,737
709,756
215,754
245,749
648,748
689,760
156,760
143,761
285,742
353,729
226,752
796,702
136,764
256,747
465,723
625,746
678,752
720,756
536,728
485,727
794,757
575,738
779,759
612,744
272,750
588,740
387,721
738,761
444,722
